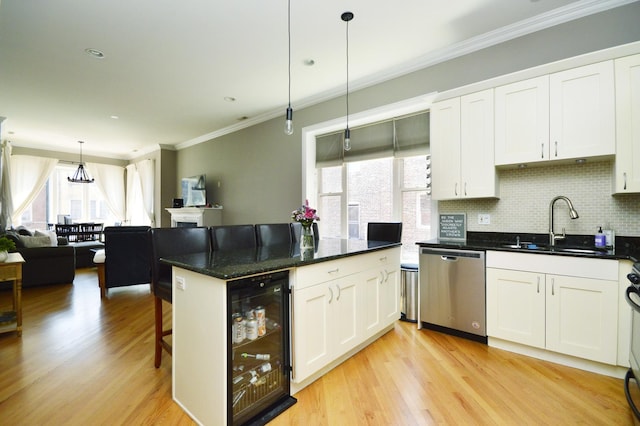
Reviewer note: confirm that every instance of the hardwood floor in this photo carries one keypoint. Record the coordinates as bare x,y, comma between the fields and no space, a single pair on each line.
81,361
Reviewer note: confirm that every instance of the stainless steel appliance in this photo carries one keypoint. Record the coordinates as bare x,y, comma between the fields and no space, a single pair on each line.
633,298
452,292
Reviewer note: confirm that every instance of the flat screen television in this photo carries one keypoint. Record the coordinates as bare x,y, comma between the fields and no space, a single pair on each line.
194,192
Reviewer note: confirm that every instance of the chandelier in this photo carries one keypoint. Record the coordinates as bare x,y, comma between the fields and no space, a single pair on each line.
81,175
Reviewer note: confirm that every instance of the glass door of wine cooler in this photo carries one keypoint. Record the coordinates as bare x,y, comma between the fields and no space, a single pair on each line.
259,359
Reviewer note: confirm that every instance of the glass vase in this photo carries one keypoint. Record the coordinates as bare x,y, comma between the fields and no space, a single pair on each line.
306,237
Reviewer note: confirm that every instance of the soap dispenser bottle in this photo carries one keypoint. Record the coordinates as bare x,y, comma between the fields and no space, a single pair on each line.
601,240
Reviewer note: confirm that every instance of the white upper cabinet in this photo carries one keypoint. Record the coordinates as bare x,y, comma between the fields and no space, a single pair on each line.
582,112
565,115
462,159
445,149
627,164
522,122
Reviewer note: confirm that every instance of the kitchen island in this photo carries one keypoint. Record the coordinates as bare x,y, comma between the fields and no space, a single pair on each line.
343,297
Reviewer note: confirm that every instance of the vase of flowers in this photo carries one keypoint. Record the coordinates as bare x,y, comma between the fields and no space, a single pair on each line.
305,215
5,245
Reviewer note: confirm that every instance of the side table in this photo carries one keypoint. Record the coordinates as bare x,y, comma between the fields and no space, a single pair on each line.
11,270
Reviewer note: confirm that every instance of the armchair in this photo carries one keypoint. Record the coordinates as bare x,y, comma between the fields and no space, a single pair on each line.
127,257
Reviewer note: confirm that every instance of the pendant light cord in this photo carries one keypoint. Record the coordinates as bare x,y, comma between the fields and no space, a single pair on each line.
347,36
289,38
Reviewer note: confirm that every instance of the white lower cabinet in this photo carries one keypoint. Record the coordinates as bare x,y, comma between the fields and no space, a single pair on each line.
582,317
325,324
575,316
339,305
516,306
380,293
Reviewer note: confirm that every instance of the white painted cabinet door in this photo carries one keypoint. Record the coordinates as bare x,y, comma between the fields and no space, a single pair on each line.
389,296
478,176
344,322
522,122
582,112
445,149
326,324
627,164
516,306
582,317
370,302
462,158
312,329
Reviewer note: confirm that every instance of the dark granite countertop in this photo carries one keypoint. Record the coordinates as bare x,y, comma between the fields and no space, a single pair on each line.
625,247
231,264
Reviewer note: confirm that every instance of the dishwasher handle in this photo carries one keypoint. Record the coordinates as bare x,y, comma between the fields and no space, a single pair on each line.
446,254
449,258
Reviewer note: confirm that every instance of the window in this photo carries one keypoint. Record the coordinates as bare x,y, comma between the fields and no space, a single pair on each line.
384,177
371,195
83,202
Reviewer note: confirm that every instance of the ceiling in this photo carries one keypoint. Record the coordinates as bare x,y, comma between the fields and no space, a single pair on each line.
170,67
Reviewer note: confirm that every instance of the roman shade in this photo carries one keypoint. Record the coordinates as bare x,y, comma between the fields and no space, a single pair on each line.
399,137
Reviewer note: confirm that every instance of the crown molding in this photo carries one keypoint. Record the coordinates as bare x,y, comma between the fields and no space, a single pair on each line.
540,22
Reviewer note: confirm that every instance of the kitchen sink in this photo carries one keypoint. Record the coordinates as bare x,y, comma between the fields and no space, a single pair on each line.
535,247
579,250
524,246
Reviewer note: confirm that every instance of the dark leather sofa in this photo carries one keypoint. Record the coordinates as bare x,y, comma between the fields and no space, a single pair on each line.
48,265
45,265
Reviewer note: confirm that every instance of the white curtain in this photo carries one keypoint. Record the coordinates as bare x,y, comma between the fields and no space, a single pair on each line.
134,193
146,173
140,190
6,203
27,176
110,181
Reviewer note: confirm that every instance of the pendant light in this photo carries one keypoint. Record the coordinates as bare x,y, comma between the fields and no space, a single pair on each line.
346,17
288,123
81,175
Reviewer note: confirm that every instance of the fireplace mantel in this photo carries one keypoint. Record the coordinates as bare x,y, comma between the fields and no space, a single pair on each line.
196,216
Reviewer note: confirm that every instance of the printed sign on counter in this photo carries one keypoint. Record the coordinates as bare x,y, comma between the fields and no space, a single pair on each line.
453,227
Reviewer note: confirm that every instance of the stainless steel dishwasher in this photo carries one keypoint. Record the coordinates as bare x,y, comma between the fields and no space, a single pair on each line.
452,292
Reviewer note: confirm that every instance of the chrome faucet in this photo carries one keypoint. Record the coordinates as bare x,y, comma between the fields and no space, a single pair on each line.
573,214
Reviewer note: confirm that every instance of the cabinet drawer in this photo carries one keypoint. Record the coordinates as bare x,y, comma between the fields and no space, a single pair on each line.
317,273
603,269
309,275
8,273
379,258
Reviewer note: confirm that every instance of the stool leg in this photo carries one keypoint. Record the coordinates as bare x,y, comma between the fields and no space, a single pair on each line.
158,338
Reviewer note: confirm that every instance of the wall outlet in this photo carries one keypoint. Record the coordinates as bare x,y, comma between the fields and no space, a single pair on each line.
180,283
484,219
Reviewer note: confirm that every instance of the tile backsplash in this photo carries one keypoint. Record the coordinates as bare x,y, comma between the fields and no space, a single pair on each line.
525,195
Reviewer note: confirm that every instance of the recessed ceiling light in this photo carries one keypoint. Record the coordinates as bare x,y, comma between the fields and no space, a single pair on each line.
94,52
115,117
229,99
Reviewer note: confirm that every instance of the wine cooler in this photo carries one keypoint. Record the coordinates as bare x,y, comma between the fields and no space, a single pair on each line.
259,357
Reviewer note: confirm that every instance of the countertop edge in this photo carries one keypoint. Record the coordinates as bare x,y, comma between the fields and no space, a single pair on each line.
267,265
489,246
